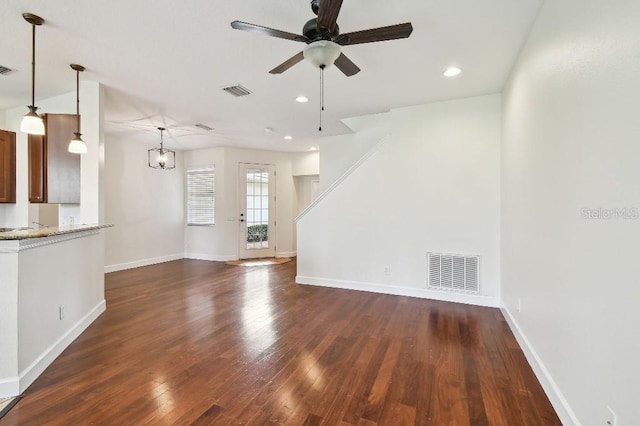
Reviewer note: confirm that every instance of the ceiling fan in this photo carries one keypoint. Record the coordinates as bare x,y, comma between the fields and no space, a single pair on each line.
322,35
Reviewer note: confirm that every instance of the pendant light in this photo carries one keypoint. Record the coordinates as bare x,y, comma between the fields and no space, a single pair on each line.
77,145
31,122
161,158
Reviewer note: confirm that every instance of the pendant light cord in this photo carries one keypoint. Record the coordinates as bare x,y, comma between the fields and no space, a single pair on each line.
78,98
33,65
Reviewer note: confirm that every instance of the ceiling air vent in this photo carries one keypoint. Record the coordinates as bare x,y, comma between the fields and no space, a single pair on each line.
203,127
5,70
453,272
237,90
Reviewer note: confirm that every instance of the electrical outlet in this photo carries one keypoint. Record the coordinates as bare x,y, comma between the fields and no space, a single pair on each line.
612,419
387,270
71,220
519,305
61,312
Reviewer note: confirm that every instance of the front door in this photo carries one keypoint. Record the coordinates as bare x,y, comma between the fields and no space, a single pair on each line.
257,186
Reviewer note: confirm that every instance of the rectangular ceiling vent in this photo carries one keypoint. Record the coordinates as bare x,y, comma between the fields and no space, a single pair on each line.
5,70
453,272
237,90
204,127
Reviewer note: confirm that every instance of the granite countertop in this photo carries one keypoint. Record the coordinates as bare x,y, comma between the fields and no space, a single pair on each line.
25,233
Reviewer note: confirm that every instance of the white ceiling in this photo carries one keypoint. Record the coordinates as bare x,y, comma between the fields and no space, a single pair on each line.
165,62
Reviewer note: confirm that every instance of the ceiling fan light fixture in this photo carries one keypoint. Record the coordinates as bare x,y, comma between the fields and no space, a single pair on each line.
322,53
452,71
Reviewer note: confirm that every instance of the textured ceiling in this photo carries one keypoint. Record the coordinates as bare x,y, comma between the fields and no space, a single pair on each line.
165,62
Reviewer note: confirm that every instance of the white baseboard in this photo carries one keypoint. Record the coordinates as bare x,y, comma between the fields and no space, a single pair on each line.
210,257
31,373
10,387
143,262
560,404
287,254
469,299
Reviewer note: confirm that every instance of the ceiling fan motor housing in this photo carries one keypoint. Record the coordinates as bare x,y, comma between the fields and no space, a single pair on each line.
313,33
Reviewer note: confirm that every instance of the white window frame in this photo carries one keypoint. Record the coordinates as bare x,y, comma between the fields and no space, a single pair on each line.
201,218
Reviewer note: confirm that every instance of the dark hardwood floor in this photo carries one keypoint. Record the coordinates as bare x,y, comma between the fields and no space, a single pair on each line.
196,342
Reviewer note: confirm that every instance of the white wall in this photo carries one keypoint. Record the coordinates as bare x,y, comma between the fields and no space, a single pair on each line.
339,153
572,141
145,205
307,188
305,163
220,242
432,185
68,274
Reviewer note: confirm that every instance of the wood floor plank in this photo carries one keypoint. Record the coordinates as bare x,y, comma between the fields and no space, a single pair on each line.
197,342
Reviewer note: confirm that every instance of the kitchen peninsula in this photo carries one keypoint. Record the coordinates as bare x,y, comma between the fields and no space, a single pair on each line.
52,283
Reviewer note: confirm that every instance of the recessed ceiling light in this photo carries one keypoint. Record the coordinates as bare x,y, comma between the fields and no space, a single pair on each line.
313,148
452,72
302,99
268,129
288,137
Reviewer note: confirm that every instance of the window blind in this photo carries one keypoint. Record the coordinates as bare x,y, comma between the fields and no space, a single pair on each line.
201,196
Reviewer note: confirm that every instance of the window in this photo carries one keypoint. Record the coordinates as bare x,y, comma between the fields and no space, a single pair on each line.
201,197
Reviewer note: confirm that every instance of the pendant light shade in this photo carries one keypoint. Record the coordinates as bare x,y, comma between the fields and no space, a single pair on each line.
31,122
77,145
161,158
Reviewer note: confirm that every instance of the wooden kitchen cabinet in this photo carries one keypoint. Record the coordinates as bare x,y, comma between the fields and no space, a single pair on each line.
7,167
54,172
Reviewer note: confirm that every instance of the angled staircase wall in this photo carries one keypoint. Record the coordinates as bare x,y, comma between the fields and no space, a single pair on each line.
430,185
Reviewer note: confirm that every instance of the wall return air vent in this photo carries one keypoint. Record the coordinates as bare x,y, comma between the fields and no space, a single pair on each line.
237,90
453,272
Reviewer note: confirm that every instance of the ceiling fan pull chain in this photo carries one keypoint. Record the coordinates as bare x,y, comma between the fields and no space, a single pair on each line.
322,67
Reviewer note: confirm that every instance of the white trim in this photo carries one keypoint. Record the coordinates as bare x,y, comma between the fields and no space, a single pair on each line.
9,387
37,367
287,254
559,402
210,257
338,181
469,299
143,262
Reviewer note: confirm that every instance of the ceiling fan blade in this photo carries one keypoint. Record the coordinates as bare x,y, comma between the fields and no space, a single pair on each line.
392,32
252,28
328,14
345,65
287,64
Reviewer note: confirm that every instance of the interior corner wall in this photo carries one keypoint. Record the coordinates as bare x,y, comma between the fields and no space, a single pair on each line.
145,205
220,242
432,185
570,203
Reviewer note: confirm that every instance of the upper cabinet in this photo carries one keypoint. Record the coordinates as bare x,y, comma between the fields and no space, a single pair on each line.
54,172
7,167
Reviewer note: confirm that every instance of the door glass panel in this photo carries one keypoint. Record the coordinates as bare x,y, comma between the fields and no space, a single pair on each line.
257,208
